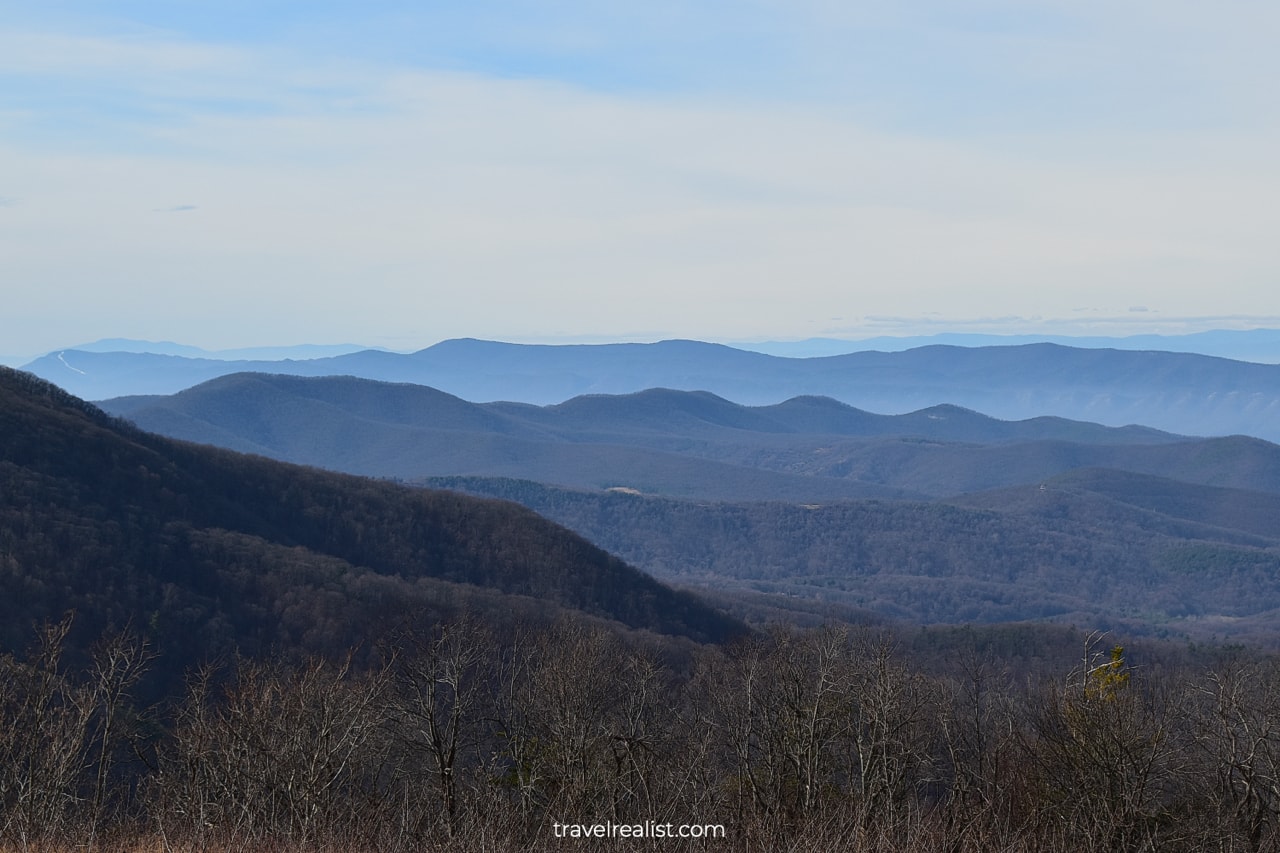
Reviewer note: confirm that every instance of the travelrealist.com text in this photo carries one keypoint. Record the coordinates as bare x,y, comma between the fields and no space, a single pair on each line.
648,829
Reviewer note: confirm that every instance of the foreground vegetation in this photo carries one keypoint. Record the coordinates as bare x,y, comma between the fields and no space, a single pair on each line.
828,739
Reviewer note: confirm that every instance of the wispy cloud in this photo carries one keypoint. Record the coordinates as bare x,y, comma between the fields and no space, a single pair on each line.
140,56
701,170
1095,323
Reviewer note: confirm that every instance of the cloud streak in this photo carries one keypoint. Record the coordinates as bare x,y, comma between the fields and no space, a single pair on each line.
434,195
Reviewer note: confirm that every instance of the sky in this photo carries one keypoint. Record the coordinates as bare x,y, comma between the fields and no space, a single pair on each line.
226,173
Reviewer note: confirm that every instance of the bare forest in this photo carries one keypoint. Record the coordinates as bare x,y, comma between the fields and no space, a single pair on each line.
824,739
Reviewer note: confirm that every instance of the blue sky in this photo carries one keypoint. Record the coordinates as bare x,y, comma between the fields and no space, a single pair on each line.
232,174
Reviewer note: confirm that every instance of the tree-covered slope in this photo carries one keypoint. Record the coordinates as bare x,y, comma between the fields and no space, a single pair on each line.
210,550
1109,550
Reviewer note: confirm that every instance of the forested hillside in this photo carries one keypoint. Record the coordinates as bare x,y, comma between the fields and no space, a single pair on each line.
209,551
1098,548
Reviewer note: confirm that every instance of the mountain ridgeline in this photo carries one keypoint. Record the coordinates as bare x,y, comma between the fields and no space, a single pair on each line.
685,444
1178,392
210,551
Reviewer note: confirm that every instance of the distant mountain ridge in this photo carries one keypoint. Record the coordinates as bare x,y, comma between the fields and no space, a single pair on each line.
1174,392
1257,345
273,353
689,444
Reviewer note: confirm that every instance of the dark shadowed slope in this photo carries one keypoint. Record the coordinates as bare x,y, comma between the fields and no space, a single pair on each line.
210,549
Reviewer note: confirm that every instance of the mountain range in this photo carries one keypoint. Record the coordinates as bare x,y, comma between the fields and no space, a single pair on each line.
676,443
942,515
1176,392
749,474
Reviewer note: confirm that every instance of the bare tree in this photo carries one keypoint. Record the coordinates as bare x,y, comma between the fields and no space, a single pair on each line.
978,723
284,755
119,661
440,701
894,712
1238,735
59,734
